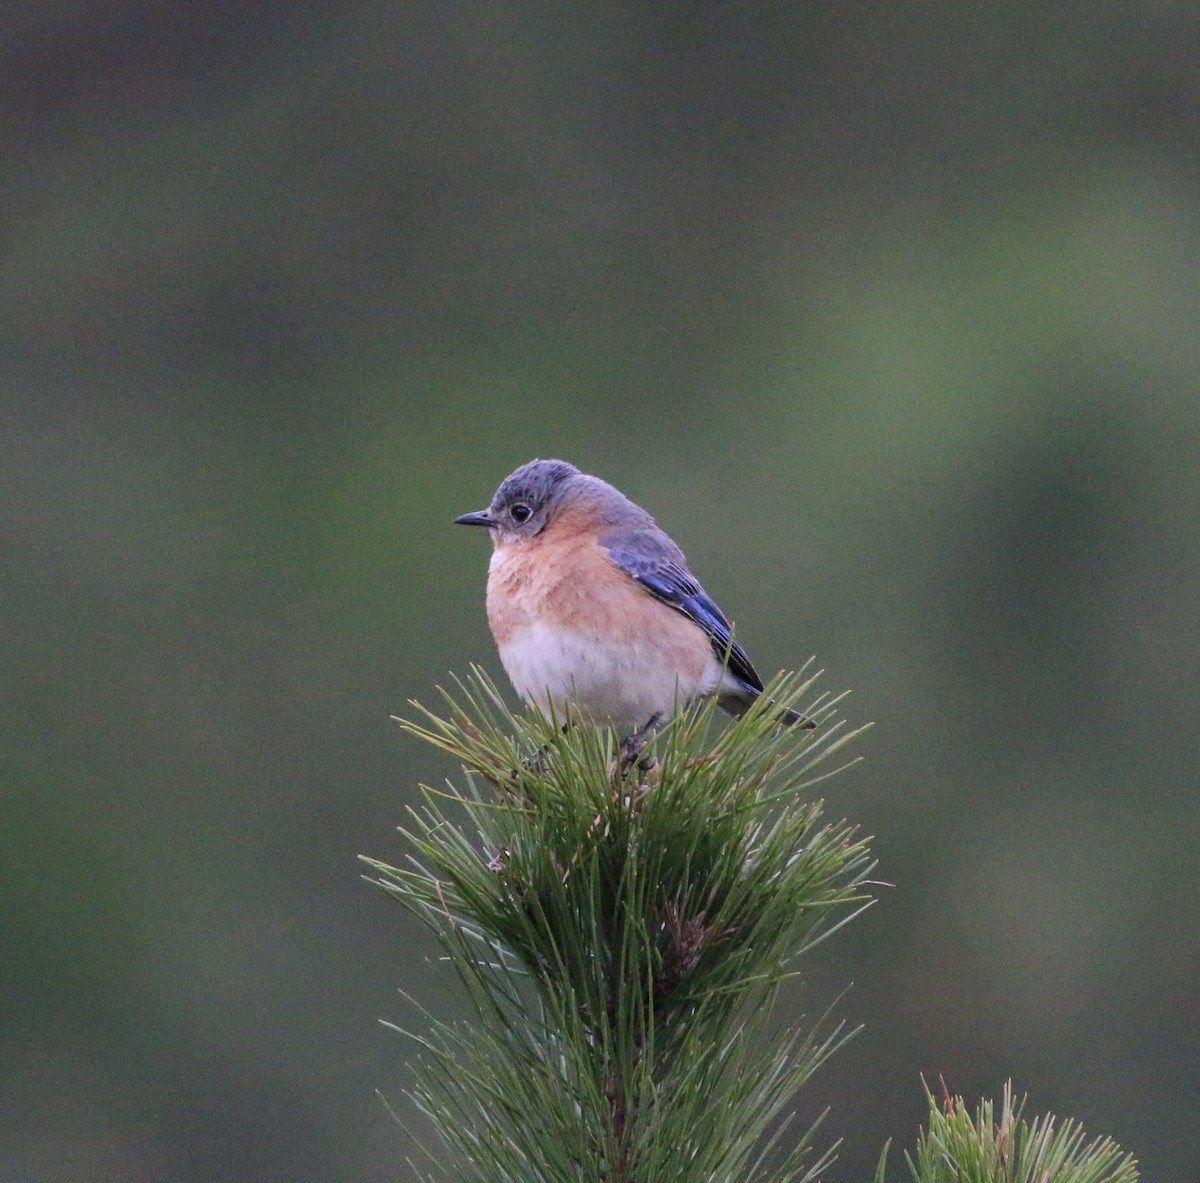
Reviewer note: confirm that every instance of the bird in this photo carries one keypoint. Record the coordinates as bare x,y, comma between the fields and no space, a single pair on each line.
593,606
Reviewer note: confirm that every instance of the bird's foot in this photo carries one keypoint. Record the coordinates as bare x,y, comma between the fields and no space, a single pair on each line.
512,780
632,746
537,761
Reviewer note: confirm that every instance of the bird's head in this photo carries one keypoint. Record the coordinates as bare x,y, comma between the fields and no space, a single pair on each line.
525,501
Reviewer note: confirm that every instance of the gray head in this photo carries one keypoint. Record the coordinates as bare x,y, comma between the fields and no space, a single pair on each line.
522,504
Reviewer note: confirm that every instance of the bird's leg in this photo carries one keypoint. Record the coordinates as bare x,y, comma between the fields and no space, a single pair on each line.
631,746
536,762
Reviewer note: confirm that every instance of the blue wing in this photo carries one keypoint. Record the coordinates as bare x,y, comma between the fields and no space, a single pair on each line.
651,558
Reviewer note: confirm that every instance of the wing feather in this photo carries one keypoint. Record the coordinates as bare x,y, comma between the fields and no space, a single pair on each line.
659,566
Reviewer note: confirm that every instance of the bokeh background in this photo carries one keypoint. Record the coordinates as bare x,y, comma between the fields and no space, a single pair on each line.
890,312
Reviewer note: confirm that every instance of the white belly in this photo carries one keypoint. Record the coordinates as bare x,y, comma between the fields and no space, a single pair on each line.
623,685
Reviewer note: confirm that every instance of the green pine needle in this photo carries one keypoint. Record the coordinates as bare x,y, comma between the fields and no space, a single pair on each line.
618,938
962,1146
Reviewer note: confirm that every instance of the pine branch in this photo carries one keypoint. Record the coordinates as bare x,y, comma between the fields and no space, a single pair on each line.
965,1147
618,939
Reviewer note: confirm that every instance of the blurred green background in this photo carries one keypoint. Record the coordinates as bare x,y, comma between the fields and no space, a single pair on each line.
890,312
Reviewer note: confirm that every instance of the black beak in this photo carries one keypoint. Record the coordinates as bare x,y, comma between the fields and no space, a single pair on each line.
481,517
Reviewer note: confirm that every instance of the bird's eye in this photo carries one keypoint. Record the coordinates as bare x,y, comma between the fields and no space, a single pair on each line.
520,512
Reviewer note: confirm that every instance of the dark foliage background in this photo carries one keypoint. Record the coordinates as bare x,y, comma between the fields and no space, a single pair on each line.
889,311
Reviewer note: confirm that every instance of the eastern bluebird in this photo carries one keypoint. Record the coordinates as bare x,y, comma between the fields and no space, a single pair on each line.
592,604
